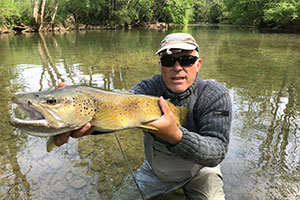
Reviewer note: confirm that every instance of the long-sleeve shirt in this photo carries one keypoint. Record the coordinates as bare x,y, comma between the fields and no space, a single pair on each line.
206,131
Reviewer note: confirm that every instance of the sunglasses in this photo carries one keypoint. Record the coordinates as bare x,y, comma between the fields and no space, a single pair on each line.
169,61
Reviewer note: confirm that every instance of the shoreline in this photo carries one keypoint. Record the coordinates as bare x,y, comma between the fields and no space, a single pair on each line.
23,29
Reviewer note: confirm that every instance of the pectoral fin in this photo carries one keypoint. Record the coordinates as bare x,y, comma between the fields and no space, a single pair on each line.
107,122
146,125
50,143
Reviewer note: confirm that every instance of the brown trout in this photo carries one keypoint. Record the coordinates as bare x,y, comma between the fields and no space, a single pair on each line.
69,108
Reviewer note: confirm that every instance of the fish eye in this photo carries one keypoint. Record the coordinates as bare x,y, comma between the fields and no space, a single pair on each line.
51,101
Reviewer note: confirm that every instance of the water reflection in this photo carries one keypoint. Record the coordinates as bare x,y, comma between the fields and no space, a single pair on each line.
62,173
265,78
261,70
13,184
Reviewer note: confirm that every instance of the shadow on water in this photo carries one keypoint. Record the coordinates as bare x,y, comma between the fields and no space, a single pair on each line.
261,71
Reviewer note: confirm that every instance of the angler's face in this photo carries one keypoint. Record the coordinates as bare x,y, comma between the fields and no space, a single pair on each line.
179,78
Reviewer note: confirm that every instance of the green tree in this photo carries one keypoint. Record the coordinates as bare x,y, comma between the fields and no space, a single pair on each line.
177,11
43,13
262,13
207,11
244,12
281,13
14,12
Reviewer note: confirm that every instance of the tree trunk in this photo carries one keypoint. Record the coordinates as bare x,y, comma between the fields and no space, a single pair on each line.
54,13
42,14
35,12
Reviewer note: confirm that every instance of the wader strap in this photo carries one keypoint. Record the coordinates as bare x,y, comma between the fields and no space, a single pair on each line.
202,84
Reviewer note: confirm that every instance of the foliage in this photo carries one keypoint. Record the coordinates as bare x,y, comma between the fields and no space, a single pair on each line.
25,10
281,12
245,12
12,12
176,11
7,11
208,11
262,13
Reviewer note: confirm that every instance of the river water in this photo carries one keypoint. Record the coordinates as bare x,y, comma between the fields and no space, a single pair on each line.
261,71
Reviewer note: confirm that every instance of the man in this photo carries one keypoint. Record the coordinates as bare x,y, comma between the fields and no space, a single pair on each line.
185,157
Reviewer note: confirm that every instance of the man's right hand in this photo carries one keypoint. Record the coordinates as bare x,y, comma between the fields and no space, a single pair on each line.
64,137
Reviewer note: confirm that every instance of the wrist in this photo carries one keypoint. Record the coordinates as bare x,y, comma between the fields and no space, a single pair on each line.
176,137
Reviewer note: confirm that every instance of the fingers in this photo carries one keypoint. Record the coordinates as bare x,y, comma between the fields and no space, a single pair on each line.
86,130
62,139
164,106
61,84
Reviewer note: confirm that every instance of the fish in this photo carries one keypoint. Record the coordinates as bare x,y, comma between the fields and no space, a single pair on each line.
56,111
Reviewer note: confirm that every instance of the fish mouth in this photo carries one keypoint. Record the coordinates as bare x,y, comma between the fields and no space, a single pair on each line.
36,121
31,111
33,115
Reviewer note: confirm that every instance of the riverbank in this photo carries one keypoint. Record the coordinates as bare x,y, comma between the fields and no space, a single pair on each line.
22,28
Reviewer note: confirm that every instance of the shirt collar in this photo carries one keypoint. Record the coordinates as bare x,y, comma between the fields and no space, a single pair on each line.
168,94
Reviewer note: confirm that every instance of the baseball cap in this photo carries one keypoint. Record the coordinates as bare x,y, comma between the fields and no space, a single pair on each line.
178,42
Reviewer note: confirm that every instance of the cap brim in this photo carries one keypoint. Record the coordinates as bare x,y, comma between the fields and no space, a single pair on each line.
183,46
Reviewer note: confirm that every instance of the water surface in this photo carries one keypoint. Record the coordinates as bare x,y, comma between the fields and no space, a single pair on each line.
261,71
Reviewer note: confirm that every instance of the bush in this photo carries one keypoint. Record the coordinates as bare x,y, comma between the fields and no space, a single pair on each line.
14,12
281,13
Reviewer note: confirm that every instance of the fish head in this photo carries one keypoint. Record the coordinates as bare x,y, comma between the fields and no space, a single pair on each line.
53,112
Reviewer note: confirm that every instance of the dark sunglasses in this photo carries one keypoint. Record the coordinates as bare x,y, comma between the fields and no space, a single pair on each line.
169,61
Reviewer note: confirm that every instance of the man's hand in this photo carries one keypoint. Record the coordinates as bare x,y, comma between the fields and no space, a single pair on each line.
166,125
64,137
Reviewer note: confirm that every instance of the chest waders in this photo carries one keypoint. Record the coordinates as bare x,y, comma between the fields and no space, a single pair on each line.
167,165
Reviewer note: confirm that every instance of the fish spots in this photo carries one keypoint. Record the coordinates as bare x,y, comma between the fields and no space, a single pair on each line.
86,107
82,105
73,101
121,119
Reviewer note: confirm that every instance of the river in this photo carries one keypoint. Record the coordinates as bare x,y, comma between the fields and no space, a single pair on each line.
261,71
